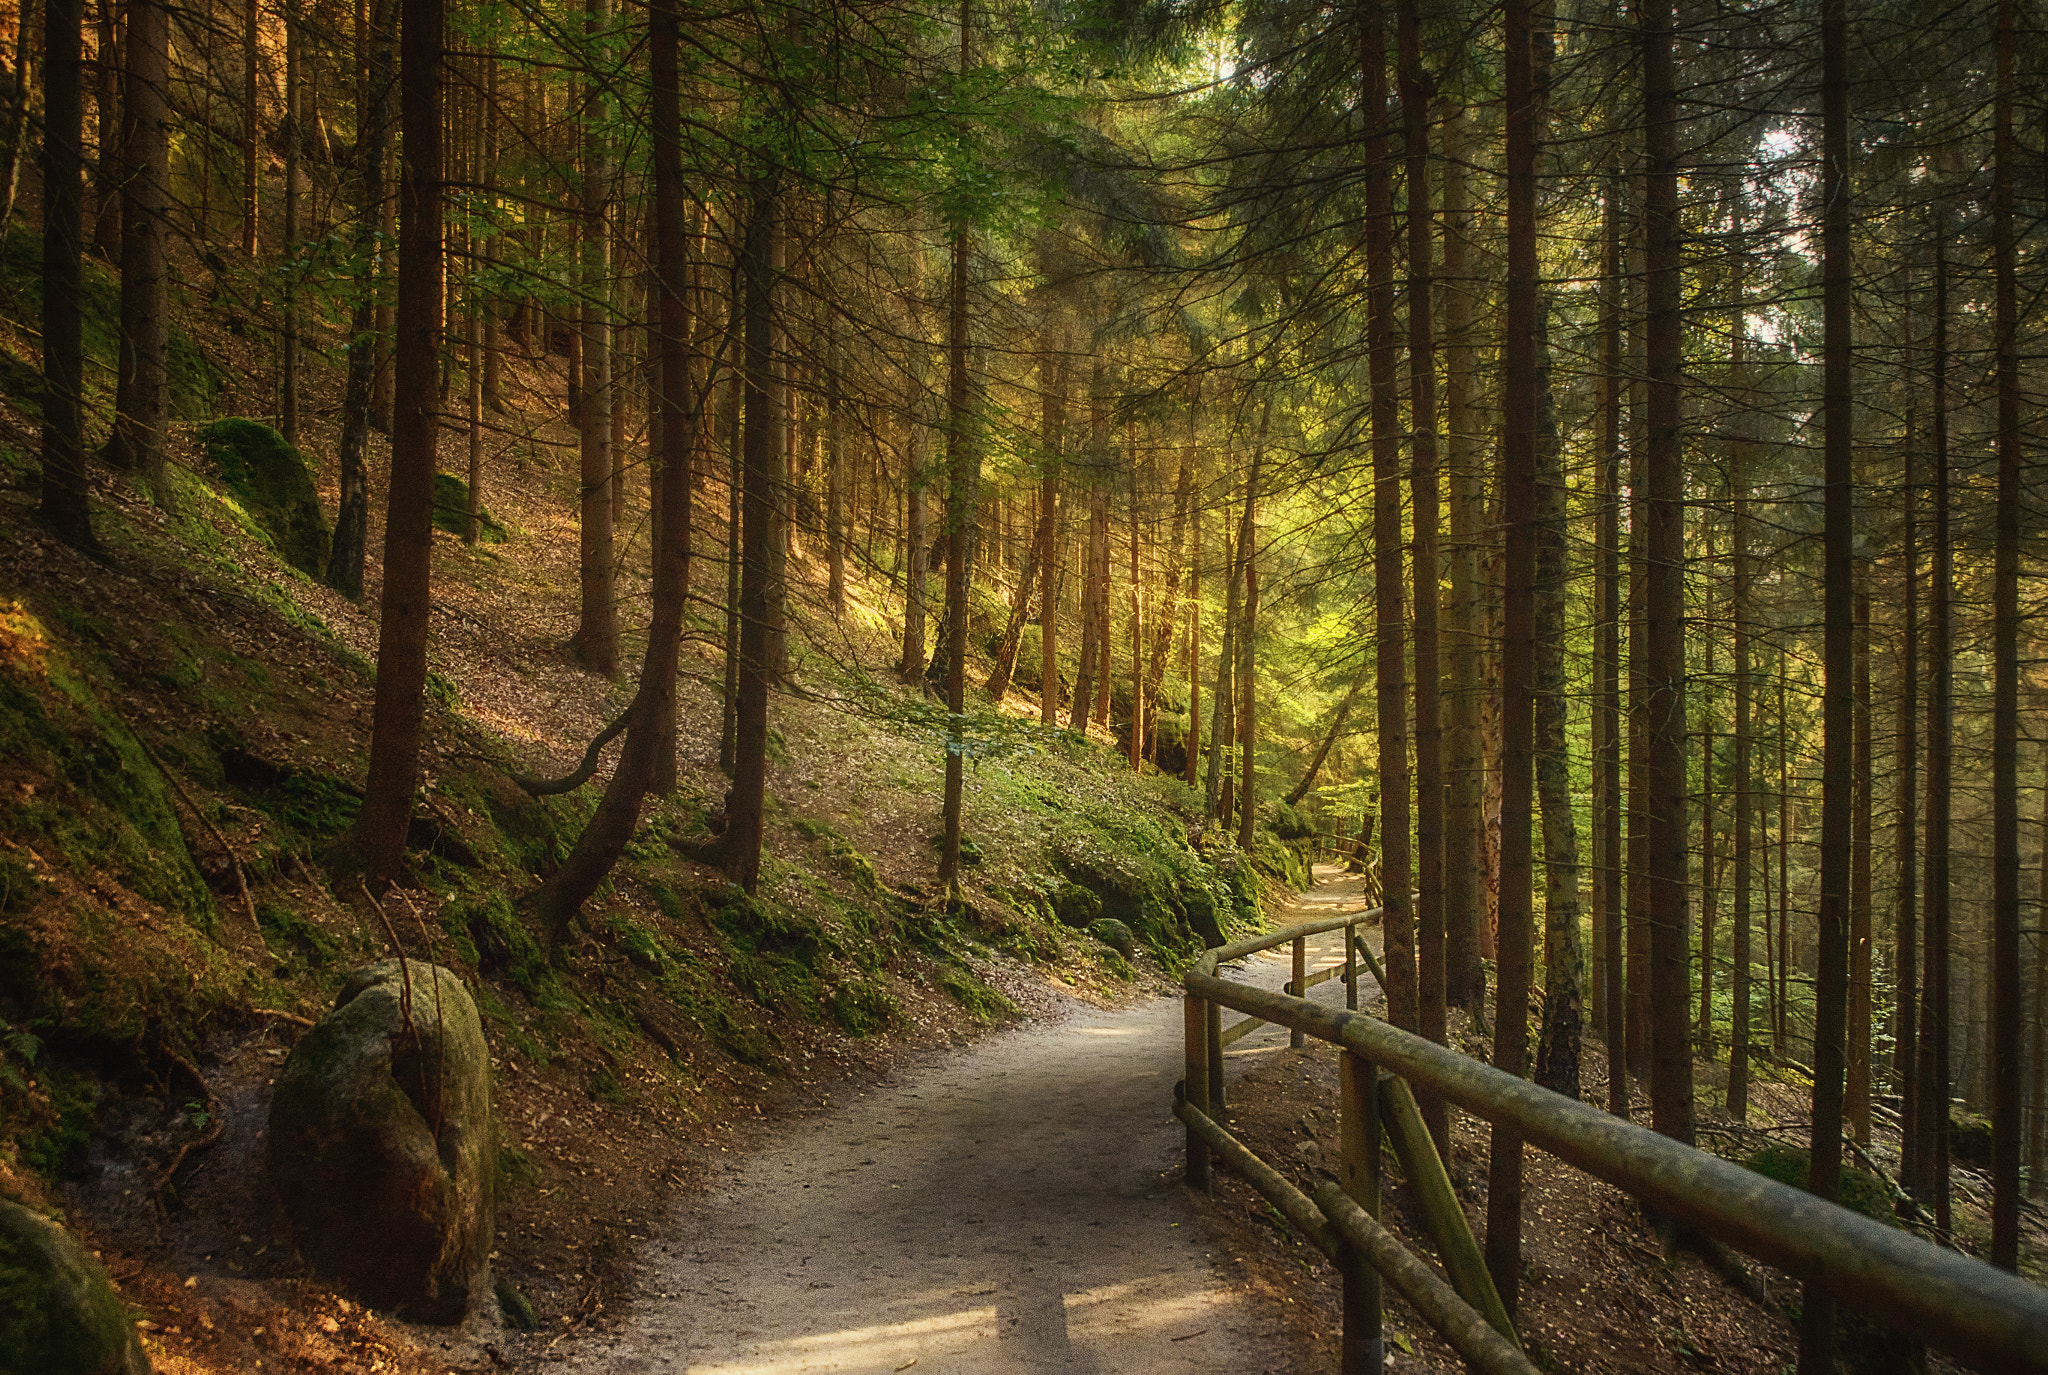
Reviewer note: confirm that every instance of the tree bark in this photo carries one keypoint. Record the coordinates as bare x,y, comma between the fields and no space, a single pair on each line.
1856,1096
1838,713
350,546
2005,709
1609,916
1664,847
1389,599
746,800
106,182
1053,369
1464,843
66,500
917,572
605,836
1740,993
378,840
140,406
1519,440
1248,642
962,494
596,642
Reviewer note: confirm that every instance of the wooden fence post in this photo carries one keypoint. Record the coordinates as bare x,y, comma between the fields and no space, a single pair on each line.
1299,988
1215,1044
1350,967
1196,1086
1364,1349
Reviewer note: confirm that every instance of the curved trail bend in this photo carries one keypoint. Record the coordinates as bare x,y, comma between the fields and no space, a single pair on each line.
1011,1206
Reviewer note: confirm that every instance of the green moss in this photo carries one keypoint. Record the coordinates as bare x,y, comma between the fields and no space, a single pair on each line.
982,1003
58,1313
274,484
862,1008
517,1309
503,945
307,942
451,511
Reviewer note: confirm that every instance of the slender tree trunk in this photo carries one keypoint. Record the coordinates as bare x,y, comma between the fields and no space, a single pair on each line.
917,572
596,641
963,473
1906,757
137,443
292,135
1856,1099
745,804
350,546
1782,1034
1564,964
1192,748
1664,846
1704,1037
1136,744
1053,364
1217,788
1248,641
1464,843
106,182
2005,710
835,468
1431,978
1744,820
1609,916
1837,808
1389,599
66,505
2037,1139
1636,1019
1931,1185
379,837
1519,459
384,389
735,486
251,169
1094,659
1315,765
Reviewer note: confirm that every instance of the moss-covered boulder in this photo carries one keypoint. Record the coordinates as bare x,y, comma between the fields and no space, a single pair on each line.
451,511
1115,935
1076,906
274,484
382,1143
59,1315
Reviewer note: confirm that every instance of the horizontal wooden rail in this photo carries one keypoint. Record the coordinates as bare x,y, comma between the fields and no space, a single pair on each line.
1984,1316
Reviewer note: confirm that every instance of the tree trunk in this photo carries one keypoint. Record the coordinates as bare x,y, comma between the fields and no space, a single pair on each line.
735,480
350,546
1389,609
1704,1035
1431,981
1609,915
1744,823
1053,367
106,182
917,572
251,168
1192,747
962,493
1671,1099
611,826
596,642
1906,758
292,136
2005,709
1464,843
137,442
1931,1185
1315,765
1856,1099
835,469
745,802
1248,641
2037,1139
66,506
1519,440
378,840
1564,961
1217,790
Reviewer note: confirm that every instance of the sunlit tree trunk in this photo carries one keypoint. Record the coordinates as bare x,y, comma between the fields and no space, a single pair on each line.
1054,366
963,472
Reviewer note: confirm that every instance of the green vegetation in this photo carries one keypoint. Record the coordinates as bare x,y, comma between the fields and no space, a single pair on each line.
274,484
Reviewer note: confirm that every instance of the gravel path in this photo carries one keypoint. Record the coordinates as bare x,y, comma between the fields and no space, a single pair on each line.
1011,1206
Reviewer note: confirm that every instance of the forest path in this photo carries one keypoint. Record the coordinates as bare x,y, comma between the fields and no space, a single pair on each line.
1010,1206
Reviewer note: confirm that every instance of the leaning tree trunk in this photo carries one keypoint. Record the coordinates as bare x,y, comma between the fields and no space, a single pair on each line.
610,827
378,840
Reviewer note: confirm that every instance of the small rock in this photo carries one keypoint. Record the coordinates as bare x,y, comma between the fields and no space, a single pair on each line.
59,1314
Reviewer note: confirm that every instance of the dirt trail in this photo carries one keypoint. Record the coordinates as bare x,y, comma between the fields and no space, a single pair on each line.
1012,1206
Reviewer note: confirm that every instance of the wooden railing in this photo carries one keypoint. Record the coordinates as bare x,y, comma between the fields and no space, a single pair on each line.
1983,1316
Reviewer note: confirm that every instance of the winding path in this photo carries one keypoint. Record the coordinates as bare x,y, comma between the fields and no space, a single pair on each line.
1011,1206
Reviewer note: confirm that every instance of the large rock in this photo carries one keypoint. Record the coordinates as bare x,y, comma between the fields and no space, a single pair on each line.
59,1315
383,1147
274,484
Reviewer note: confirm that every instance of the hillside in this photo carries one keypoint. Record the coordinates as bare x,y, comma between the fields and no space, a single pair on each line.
184,731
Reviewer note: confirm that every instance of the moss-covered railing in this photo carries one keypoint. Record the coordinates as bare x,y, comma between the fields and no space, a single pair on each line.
1986,1317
